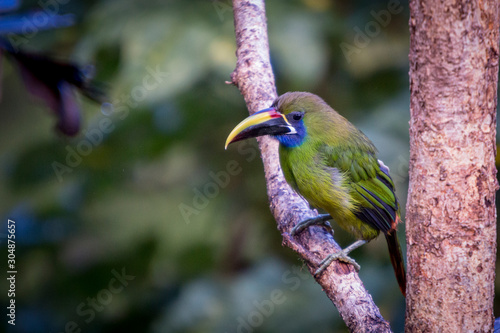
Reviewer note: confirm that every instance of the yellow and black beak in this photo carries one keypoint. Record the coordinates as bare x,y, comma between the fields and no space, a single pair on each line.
264,122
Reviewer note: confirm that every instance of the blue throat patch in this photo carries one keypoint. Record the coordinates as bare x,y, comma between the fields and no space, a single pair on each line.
293,140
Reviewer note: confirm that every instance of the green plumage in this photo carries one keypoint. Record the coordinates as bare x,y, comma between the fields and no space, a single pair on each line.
335,168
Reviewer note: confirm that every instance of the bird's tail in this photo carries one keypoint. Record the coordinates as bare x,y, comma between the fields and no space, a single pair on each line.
397,259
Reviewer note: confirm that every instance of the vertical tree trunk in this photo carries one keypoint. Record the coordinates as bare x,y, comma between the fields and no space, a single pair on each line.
451,216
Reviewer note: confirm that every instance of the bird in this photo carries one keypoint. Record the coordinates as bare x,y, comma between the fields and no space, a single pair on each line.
334,167
54,81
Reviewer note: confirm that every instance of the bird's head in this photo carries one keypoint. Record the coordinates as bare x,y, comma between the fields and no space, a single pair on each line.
287,119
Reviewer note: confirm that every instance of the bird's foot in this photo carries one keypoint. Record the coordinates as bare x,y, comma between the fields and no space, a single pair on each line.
321,219
341,255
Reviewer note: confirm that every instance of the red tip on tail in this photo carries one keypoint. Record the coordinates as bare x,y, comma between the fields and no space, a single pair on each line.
397,259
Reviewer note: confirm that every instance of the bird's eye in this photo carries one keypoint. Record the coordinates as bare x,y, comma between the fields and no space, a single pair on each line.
297,116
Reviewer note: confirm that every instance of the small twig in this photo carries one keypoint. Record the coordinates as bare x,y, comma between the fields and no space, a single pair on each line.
254,78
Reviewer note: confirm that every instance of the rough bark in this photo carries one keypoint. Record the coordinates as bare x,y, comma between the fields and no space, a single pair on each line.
254,78
451,215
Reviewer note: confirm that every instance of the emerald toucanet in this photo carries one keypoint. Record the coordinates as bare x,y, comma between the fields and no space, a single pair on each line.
332,165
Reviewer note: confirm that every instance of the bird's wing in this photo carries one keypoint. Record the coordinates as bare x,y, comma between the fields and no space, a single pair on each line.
371,186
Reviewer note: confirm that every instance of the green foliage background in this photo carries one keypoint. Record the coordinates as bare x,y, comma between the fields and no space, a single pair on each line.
201,255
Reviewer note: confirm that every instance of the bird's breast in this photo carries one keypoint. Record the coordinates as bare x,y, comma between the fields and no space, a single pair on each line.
322,186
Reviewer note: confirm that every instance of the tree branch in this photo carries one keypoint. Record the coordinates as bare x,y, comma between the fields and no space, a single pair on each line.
254,78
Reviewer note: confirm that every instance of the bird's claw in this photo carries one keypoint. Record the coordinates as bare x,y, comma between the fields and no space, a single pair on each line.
341,256
321,219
